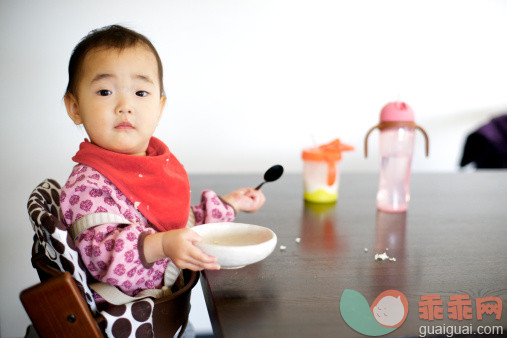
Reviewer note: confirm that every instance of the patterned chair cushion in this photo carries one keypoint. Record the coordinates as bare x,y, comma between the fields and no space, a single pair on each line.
52,235
134,319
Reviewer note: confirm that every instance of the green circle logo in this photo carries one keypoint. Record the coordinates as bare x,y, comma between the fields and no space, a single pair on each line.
387,312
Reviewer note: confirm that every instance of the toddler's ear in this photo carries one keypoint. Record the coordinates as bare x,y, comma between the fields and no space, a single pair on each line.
72,108
163,99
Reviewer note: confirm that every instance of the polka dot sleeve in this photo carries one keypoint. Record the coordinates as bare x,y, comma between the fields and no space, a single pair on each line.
110,252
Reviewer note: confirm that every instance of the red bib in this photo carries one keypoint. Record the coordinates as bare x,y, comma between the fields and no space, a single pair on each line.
156,183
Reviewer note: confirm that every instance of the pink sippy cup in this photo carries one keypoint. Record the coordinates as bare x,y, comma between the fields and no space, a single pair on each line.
397,129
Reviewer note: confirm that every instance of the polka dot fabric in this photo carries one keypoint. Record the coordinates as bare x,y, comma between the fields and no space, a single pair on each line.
130,320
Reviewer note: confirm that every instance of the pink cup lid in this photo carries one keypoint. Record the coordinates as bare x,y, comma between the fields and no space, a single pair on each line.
397,111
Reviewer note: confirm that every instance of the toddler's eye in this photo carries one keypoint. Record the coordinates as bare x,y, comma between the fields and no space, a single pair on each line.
142,93
104,92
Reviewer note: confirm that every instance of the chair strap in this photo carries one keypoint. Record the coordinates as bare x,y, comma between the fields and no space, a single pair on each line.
114,296
98,218
91,220
109,292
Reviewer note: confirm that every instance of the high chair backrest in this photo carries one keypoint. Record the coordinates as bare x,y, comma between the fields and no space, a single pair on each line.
52,236
54,253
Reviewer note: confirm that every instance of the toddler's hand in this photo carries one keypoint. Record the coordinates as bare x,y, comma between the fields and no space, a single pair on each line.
245,199
178,246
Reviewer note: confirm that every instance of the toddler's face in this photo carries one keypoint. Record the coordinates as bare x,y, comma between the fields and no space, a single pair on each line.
118,98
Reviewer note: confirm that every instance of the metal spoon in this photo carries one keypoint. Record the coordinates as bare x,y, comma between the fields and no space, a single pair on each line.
272,174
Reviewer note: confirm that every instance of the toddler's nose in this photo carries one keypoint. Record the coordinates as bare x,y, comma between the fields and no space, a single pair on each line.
124,111
124,107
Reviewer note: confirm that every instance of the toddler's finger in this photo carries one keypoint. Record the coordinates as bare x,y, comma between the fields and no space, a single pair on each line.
252,191
258,204
252,195
257,193
204,265
258,199
191,266
193,236
213,266
200,256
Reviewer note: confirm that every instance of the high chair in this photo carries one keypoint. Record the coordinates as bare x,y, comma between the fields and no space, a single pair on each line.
62,305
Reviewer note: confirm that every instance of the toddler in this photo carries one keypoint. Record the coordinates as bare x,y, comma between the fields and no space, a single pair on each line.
127,201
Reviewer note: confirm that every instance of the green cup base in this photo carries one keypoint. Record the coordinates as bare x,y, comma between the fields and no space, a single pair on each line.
320,196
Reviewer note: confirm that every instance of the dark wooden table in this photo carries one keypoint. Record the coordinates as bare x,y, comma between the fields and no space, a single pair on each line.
452,241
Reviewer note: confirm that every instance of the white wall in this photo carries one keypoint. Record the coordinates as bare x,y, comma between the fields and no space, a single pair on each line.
249,84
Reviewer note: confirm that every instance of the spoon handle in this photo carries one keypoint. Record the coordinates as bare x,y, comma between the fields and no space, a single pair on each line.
260,185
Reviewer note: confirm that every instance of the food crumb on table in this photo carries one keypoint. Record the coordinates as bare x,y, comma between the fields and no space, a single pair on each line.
383,257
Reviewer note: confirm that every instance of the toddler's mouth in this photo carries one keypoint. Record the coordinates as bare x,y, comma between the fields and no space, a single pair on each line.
124,125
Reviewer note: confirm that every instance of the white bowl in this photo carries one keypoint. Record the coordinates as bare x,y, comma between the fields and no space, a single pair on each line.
235,244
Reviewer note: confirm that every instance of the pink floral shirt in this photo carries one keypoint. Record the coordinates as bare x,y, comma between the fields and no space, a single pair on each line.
113,253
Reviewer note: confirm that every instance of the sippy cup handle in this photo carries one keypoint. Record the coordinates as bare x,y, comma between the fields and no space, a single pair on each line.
426,138
385,125
366,139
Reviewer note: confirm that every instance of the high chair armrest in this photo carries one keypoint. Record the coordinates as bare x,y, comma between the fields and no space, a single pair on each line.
57,309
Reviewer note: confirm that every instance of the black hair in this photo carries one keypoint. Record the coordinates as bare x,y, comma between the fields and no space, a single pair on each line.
114,36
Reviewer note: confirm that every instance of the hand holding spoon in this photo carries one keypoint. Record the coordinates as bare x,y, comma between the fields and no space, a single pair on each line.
272,174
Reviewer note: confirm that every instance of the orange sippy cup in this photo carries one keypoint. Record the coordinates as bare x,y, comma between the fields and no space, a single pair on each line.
321,171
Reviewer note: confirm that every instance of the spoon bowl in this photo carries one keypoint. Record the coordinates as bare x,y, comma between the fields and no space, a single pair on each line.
271,175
